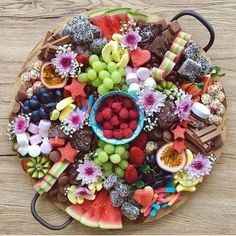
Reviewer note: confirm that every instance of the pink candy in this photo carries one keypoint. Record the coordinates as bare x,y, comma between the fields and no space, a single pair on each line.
35,139
143,73
131,78
34,129
46,147
44,125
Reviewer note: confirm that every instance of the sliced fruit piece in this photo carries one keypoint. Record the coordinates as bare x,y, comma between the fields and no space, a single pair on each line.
140,17
115,24
76,211
111,217
97,12
169,159
50,78
92,216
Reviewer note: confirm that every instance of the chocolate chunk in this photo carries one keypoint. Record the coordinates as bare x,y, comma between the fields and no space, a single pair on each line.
53,191
55,131
155,134
47,36
16,108
62,41
62,189
218,142
61,197
72,173
63,180
174,27
160,46
55,156
190,70
82,139
168,136
168,34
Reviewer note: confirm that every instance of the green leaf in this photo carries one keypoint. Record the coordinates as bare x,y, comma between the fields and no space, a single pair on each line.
216,70
137,185
145,168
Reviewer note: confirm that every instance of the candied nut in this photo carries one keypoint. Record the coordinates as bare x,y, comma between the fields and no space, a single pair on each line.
63,180
61,197
167,136
16,108
55,156
62,189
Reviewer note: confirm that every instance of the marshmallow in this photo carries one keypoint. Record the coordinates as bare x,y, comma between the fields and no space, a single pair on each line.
134,89
46,147
35,139
143,73
22,139
131,78
43,133
150,83
34,150
23,150
128,69
44,124
34,129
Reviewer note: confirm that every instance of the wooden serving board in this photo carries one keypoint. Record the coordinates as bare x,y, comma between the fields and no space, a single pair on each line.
32,57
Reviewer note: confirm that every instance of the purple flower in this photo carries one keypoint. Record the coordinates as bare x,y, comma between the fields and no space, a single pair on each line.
184,107
199,167
83,192
76,119
21,124
151,101
131,39
88,172
65,63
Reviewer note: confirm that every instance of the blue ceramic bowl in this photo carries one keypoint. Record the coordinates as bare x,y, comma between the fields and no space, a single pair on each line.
96,127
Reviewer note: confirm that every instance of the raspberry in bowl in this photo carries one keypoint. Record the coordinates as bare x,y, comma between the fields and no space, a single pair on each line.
116,118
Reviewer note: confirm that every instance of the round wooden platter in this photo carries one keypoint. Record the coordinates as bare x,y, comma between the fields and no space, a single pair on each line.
32,57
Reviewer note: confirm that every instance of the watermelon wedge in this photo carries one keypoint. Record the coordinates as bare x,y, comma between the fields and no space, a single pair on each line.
77,210
92,216
115,24
111,217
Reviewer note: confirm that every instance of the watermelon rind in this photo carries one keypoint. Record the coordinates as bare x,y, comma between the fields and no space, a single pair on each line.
118,11
137,16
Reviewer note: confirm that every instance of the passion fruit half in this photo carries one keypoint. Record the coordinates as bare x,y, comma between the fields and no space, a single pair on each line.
50,78
170,160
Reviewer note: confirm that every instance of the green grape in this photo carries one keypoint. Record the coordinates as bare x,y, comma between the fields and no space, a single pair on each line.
87,69
108,173
108,83
109,148
116,77
123,164
124,87
82,77
104,65
104,74
111,66
93,58
101,143
91,74
122,72
96,82
120,150
97,162
119,172
103,157
126,146
98,150
115,158
97,66
107,166
125,156
102,90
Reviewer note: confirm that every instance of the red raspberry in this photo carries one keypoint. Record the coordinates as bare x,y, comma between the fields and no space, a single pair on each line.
119,99
133,124
124,114
109,101
127,132
116,106
107,125
136,155
133,115
128,103
124,126
114,120
131,174
107,113
99,117
108,133
118,134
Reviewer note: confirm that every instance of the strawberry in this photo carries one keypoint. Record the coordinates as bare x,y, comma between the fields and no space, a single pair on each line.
136,156
133,115
99,117
185,86
140,141
124,114
118,134
108,133
107,125
127,132
107,113
124,126
131,174
24,164
116,106
133,124
128,103
114,120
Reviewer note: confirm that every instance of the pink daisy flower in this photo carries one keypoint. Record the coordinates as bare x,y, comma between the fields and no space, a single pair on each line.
88,172
131,39
199,167
21,124
76,119
151,101
184,107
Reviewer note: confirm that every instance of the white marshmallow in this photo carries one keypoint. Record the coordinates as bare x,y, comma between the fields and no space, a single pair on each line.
34,150
143,73
131,78
23,150
150,83
43,133
134,89
22,139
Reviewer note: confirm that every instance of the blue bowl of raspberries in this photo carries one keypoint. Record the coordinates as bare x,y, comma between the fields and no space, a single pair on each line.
116,118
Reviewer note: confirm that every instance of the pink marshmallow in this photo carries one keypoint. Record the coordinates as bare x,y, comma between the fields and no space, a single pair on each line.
131,78
35,139
34,129
143,73
44,125
46,147
128,69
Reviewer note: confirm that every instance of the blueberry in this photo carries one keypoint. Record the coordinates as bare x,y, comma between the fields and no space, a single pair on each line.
49,106
168,178
26,103
33,104
148,178
158,184
43,114
26,109
45,97
152,160
42,90
58,93
34,97
35,116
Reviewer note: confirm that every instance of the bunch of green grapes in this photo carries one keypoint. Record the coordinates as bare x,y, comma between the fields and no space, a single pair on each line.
112,158
103,76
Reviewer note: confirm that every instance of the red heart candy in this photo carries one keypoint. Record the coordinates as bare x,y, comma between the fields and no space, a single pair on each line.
140,57
144,196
